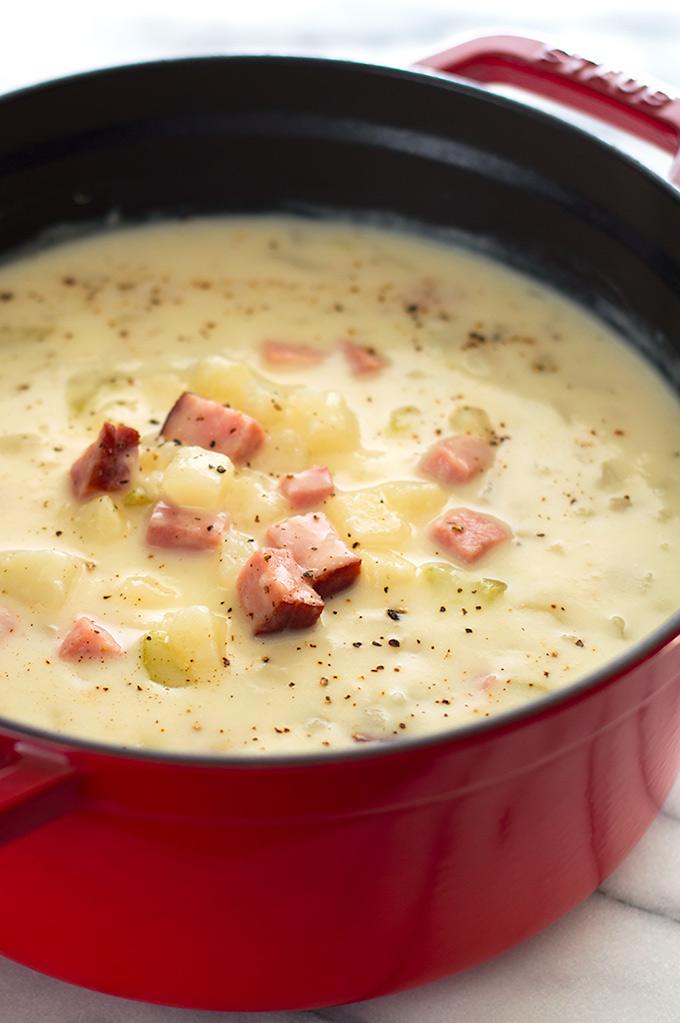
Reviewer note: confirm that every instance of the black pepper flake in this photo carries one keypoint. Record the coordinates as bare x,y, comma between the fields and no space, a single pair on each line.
468,630
221,468
394,615
394,642
579,642
357,643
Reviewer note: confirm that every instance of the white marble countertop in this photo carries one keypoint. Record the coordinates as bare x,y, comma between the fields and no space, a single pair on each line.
616,958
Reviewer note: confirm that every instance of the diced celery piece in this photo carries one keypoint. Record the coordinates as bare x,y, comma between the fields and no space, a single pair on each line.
404,419
441,576
490,590
472,420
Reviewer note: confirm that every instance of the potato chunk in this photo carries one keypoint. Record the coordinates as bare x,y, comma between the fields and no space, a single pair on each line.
161,389
187,647
40,578
413,500
253,500
323,420
389,576
365,516
232,383
100,519
197,478
236,549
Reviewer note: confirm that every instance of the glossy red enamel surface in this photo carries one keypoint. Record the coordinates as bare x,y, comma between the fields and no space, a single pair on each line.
274,886
596,89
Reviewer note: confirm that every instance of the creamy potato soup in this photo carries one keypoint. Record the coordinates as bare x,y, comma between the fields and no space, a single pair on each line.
273,485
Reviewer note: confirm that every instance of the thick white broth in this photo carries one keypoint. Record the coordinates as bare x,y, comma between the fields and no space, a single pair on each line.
585,475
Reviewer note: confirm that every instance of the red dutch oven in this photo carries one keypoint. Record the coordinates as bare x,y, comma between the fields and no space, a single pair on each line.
300,881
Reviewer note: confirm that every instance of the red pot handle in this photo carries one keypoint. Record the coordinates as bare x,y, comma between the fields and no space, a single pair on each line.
35,786
595,89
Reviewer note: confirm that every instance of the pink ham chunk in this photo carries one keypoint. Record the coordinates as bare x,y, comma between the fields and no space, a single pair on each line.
457,459
189,529
8,622
307,488
325,559
362,359
467,534
207,424
89,641
108,464
286,354
275,594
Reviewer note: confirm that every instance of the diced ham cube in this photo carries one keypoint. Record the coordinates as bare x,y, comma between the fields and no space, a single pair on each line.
189,529
275,594
306,488
207,424
285,353
108,464
467,534
326,560
89,641
8,622
362,359
457,459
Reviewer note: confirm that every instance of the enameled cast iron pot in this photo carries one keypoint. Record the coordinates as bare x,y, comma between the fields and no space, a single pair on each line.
307,880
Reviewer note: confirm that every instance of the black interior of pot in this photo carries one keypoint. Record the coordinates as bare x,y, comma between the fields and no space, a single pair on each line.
235,134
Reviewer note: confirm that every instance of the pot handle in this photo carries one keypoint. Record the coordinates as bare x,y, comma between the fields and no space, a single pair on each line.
35,787
595,89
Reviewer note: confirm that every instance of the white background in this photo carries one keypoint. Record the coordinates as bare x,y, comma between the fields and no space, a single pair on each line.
40,40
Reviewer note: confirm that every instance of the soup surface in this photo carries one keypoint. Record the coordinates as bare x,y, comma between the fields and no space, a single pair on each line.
493,510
